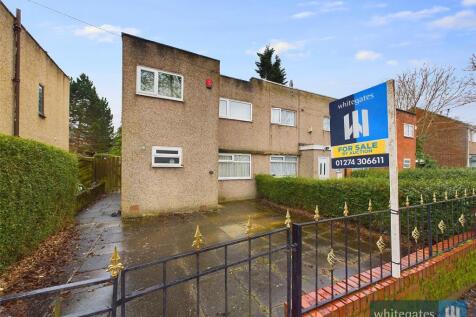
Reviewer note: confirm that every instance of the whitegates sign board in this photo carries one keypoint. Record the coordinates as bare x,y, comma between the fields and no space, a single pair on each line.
359,129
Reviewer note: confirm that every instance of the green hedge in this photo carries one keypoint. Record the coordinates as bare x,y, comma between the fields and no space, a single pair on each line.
421,174
37,194
330,195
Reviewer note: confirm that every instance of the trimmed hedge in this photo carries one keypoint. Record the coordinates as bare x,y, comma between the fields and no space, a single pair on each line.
330,195
419,173
38,184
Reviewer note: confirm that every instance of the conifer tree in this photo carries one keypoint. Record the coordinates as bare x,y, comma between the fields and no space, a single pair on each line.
269,69
90,122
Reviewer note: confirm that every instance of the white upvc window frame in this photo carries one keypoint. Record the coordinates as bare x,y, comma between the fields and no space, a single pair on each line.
405,134
233,160
167,148
473,136
328,127
407,163
155,93
228,116
280,117
284,161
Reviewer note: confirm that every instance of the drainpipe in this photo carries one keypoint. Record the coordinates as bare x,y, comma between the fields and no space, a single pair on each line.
16,79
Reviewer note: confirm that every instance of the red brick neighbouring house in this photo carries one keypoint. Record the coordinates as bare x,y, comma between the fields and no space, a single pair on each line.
406,139
448,141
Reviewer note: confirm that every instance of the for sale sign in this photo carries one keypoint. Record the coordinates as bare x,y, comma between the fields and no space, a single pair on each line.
359,129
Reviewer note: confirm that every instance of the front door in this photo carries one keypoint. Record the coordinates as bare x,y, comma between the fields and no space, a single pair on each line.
323,167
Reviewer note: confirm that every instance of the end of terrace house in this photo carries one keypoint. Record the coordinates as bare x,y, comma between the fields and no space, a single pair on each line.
193,138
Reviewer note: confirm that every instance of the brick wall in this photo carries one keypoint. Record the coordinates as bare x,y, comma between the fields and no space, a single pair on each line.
446,140
406,146
404,288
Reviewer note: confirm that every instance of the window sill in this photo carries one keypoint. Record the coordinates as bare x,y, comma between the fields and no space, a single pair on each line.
284,125
144,94
233,119
281,176
167,165
41,115
326,130
408,137
233,178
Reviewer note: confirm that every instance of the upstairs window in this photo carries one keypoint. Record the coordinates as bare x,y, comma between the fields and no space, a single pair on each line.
234,166
283,165
157,83
283,117
164,156
408,130
41,100
326,124
236,110
473,136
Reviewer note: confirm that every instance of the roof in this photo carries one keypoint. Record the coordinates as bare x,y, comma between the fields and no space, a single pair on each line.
293,88
168,46
468,125
34,40
406,111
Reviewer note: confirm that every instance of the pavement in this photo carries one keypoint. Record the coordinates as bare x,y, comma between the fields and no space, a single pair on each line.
142,240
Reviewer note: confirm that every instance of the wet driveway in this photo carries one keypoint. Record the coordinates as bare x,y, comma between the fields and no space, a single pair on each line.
143,240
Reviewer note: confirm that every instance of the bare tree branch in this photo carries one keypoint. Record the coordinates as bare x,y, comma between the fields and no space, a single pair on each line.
433,89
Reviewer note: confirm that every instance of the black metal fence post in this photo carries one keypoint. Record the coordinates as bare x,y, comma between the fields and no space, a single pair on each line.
430,232
114,297
296,287
123,293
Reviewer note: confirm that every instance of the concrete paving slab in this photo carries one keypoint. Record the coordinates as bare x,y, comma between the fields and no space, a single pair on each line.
143,240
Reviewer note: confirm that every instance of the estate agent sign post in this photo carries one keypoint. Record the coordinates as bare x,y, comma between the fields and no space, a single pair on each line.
363,135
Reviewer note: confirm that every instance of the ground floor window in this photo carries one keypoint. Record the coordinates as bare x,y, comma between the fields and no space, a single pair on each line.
234,166
165,156
407,163
472,161
283,165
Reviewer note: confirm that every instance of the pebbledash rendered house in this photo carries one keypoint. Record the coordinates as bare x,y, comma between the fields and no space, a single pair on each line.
193,138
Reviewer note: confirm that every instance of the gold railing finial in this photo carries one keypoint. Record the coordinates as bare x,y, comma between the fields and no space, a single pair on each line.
249,226
288,221
57,307
370,205
474,192
442,226
416,234
446,195
434,197
346,209
317,216
407,202
380,244
465,193
331,259
198,239
115,267
456,194
421,200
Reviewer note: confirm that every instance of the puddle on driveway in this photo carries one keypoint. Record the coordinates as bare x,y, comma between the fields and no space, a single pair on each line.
143,240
